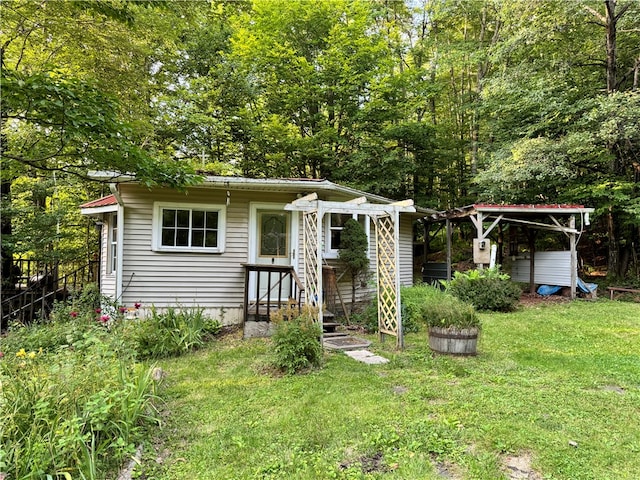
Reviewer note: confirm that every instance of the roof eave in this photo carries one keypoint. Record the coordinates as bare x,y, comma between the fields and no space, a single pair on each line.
96,211
280,184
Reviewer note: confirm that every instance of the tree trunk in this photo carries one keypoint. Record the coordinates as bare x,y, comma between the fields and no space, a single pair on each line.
7,273
6,253
610,26
613,263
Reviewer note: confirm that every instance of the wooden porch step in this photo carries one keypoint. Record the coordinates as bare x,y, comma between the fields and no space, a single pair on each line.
334,334
328,327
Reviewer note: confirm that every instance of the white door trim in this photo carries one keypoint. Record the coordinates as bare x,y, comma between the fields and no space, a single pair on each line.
253,231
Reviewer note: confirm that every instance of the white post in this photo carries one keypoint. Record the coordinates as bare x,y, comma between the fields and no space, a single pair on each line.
319,218
574,256
396,239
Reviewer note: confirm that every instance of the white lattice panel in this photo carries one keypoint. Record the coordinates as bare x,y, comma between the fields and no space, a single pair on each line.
387,263
310,238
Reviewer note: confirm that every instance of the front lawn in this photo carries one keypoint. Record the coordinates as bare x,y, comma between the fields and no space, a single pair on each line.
554,393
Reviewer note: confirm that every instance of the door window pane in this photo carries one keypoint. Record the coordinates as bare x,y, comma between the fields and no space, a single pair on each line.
273,234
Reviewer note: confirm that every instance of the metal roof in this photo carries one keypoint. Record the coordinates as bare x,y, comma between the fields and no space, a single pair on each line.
101,202
518,209
302,185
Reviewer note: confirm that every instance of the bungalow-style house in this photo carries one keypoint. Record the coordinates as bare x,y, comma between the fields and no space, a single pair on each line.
231,244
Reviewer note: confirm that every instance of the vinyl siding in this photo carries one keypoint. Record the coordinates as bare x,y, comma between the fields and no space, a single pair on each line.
406,251
213,281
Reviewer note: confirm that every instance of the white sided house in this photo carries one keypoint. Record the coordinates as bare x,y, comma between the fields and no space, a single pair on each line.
232,245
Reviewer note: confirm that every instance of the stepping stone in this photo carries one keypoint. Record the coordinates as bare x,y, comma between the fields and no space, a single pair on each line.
367,357
344,342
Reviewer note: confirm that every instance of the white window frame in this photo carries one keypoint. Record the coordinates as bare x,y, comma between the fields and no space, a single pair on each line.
112,244
156,236
333,253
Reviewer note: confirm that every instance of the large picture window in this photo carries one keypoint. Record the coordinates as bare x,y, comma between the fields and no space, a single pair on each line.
190,228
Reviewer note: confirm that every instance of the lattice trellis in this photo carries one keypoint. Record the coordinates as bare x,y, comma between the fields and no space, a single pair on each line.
312,277
387,219
389,320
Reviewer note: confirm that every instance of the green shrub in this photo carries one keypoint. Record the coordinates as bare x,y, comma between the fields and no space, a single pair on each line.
448,311
413,298
296,344
171,332
485,289
368,318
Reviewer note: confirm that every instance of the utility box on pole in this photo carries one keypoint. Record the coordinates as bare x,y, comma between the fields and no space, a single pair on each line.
481,251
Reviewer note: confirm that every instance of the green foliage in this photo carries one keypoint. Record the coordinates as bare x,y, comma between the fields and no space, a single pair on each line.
368,318
353,248
448,311
353,253
413,299
79,409
487,289
170,332
73,398
296,344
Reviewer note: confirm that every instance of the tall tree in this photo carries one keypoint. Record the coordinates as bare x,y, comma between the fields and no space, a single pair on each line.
564,121
63,66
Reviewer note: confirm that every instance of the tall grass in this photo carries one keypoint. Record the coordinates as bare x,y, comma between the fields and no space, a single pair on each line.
71,412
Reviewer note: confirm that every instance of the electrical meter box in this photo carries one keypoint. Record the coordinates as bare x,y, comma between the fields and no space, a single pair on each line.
481,250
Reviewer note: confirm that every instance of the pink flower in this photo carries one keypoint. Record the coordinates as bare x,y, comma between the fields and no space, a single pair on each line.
122,309
1,354
137,305
73,314
104,318
98,310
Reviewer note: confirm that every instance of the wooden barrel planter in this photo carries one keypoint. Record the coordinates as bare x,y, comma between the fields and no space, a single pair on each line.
454,341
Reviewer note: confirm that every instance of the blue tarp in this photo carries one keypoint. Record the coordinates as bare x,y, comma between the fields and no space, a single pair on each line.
586,287
552,289
548,289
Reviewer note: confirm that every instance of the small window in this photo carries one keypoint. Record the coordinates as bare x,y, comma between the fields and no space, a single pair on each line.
334,226
189,228
113,243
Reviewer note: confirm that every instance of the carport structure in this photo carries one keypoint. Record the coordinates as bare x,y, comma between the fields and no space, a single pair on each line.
386,218
486,217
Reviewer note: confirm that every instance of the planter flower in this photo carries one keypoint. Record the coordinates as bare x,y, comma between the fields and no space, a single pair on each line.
453,326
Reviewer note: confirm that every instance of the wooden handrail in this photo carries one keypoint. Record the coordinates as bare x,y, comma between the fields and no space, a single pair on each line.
23,304
283,271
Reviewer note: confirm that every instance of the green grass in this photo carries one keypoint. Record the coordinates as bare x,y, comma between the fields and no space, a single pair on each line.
558,383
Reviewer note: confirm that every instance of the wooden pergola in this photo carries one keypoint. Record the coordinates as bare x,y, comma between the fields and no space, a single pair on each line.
485,217
386,218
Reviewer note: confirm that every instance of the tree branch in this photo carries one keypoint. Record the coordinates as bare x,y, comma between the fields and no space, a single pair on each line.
622,11
602,20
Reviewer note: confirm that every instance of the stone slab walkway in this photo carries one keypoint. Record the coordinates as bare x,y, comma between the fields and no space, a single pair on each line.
367,357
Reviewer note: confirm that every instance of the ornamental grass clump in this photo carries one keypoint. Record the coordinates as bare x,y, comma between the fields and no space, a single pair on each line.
170,332
296,343
447,311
